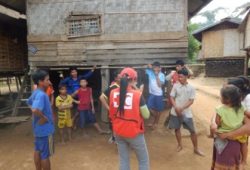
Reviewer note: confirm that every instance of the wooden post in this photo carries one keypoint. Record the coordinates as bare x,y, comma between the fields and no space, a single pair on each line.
17,84
105,74
8,83
246,62
19,80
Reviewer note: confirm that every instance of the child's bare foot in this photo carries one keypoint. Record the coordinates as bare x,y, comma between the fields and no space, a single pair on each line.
86,136
179,148
103,132
74,128
198,152
243,166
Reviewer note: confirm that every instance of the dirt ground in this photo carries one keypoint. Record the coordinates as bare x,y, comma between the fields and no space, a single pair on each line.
16,145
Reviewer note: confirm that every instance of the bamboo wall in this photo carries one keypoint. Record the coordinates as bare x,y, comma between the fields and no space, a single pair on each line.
212,44
12,54
133,32
222,43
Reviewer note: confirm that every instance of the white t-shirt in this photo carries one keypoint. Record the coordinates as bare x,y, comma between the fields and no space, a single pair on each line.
182,94
153,86
246,102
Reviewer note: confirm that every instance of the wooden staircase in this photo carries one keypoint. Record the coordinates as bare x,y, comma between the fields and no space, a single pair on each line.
23,94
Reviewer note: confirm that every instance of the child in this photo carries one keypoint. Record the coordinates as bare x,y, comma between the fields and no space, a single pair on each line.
73,84
64,103
173,76
182,97
43,125
155,99
243,84
86,106
104,98
229,117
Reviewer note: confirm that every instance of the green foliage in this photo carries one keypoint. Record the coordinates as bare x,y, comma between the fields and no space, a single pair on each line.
193,44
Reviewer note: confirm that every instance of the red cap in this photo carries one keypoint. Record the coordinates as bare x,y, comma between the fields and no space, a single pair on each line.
129,72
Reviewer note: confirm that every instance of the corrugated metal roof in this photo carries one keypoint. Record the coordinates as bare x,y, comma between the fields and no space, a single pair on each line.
197,33
232,20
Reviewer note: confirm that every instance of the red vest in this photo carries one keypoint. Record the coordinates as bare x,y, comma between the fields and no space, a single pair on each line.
84,96
131,123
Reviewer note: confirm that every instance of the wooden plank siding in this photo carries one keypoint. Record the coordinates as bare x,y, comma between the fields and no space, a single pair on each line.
133,32
213,44
221,43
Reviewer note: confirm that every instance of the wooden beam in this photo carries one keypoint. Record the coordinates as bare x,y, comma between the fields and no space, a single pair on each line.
122,62
105,75
12,8
126,37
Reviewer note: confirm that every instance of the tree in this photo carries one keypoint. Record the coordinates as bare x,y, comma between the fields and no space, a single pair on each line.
193,44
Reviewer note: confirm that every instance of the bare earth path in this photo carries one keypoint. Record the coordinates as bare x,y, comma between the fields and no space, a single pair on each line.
16,146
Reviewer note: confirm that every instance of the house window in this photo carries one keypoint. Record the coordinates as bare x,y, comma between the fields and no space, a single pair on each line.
84,25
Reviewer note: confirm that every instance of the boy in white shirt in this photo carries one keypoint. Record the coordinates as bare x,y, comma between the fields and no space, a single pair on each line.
182,97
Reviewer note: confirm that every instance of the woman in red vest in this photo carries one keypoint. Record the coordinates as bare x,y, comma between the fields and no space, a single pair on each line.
127,109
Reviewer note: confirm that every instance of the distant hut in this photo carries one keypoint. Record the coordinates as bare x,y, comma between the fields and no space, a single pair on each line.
245,30
221,48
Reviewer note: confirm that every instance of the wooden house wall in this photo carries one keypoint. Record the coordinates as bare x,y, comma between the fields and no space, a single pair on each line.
232,43
133,32
222,43
247,32
213,44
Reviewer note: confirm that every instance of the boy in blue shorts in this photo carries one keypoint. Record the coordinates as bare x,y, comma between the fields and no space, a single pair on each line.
42,121
155,99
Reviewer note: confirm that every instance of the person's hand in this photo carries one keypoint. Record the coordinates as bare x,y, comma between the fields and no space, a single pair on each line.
213,127
178,111
94,67
77,102
222,135
93,111
61,75
42,120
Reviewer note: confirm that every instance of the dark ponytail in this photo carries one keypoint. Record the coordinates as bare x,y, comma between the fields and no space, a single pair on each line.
123,92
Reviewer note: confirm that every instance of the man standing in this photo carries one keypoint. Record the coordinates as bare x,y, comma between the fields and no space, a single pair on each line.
42,121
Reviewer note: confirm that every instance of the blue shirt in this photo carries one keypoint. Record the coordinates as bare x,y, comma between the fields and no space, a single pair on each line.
153,86
73,85
40,100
